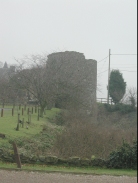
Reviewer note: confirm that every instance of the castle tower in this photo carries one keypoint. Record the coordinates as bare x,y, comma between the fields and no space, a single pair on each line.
72,69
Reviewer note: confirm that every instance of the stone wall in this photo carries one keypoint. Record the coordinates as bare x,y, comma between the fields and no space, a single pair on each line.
78,74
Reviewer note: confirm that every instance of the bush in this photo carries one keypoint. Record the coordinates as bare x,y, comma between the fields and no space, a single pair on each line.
24,158
74,161
125,108
42,159
33,159
62,161
7,156
98,162
85,162
59,119
51,159
122,108
124,157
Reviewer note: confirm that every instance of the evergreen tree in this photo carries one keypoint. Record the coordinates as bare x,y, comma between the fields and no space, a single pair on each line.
117,86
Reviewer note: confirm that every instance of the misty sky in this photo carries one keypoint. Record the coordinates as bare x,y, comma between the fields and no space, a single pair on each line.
91,27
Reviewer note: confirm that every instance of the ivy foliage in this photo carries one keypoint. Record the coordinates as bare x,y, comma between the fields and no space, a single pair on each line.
124,157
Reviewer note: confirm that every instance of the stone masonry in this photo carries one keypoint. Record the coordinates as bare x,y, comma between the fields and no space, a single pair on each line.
72,69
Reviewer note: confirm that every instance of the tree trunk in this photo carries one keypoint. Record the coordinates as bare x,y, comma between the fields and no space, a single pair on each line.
42,111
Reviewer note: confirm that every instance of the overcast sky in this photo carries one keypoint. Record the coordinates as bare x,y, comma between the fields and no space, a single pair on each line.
91,27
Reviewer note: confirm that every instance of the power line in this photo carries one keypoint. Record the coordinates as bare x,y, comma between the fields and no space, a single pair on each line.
102,72
119,69
103,65
128,71
124,67
123,54
103,59
114,54
124,64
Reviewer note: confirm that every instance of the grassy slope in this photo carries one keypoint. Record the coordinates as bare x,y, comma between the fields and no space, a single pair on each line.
8,124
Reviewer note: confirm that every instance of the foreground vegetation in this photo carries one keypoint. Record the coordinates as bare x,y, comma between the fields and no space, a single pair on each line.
65,169
29,132
65,134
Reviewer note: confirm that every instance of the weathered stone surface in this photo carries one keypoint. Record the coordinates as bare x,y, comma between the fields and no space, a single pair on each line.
72,69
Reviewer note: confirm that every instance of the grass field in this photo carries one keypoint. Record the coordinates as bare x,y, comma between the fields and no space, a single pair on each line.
8,123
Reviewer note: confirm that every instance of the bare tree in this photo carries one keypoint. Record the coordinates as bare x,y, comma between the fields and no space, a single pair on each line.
130,96
4,92
31,80
56,82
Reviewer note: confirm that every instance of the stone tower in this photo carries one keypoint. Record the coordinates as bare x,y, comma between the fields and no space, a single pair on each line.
72,69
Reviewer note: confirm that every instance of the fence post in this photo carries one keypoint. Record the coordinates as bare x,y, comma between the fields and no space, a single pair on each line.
28,111
16,154
1,112
38,114
22,111
12,111
23,123
30,117
18,122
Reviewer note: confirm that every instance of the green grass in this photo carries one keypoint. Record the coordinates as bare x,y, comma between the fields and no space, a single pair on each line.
75,170
8,123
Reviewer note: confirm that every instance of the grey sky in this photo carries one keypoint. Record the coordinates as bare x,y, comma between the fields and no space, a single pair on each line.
87,26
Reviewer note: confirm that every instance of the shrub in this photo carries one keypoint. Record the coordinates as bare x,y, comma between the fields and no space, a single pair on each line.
8,156
1,152
122,108
125,108
74,161
42,158
24,158
98,162
124,157
51,159
33,159
85,162
84,139
59,119
62,161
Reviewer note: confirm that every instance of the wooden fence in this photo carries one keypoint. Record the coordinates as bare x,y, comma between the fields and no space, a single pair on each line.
18,109
104,100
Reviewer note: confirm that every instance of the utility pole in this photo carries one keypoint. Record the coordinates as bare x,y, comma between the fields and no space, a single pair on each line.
108,77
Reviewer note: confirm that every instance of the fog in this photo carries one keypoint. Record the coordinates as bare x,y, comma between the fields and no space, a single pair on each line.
88,26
